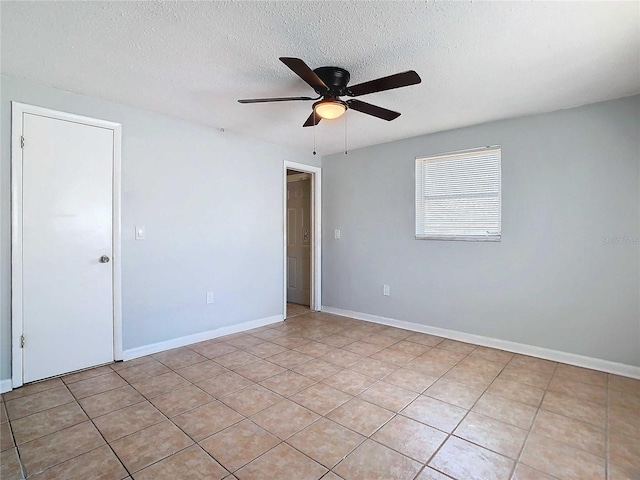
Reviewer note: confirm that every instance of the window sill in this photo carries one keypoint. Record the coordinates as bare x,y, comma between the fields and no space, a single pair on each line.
460,238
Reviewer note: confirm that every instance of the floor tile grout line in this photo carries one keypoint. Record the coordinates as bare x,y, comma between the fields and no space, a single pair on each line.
377,381
254,459
166,419
524,445
40,411
77,399
280,441
106,442
571,445
575,419
62,377
450,434
530,430
6,400
23,468
75,456
118,409
184,366
436,470
169,392
516,461
365,438
396,414
177,452
125,436
324,416
55,431
540,409
73,399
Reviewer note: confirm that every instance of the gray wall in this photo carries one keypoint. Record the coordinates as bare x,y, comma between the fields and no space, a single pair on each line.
569,179
211,203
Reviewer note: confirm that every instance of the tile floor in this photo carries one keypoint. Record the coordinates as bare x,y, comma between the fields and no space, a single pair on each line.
295,310
328,397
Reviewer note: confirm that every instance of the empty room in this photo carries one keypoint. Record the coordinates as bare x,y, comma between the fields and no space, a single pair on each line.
304,240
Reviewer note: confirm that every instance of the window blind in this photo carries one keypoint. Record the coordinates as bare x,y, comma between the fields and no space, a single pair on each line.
458,195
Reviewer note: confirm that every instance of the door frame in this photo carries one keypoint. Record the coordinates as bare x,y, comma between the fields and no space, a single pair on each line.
316,240
17,326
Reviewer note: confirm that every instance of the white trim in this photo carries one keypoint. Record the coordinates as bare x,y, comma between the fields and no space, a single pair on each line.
17,112
5,385
316,241
524,349
198,337
461,238
16,244
117,242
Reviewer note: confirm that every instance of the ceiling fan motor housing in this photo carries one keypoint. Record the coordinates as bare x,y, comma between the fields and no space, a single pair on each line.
335,78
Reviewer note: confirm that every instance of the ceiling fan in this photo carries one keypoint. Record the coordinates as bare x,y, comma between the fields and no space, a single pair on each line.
330,83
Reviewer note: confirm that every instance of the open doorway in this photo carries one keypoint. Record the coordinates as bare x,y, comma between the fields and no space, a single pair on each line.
298,243
302,240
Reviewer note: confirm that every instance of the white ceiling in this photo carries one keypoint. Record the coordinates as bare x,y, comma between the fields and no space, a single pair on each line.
479,61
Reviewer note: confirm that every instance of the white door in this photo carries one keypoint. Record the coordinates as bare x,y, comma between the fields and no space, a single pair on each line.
299,241
67,216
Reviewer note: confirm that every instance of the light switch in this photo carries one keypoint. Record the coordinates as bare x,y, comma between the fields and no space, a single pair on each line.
139,233
336,234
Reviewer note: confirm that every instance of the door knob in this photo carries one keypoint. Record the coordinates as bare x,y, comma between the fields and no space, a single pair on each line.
104,259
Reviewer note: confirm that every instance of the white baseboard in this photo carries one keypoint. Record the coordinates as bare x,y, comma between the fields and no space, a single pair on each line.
198,337
532,350
5,385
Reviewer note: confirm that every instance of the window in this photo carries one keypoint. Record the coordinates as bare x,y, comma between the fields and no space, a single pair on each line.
458,195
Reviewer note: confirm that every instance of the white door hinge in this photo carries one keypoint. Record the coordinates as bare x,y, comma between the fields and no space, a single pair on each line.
21,341
21,141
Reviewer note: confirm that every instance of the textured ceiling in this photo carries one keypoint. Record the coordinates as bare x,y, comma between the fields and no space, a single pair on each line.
479,61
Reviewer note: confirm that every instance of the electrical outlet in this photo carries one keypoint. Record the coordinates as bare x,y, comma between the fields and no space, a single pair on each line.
386,290
209,297
336,234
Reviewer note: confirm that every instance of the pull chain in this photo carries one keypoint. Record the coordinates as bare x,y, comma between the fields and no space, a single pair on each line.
314,131
345,133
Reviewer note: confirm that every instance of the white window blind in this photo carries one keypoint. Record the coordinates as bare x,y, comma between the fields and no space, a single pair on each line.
458,195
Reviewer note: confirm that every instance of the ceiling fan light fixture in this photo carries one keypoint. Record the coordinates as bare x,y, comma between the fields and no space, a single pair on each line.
330,109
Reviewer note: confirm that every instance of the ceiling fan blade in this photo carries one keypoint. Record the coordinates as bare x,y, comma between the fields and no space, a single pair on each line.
310,120
305,73
398,80
374,110
275,99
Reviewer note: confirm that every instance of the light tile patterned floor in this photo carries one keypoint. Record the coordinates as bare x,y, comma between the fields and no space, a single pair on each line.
328,397
295,309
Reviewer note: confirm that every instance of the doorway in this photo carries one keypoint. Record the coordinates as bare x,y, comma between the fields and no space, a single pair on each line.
65,243
301,239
